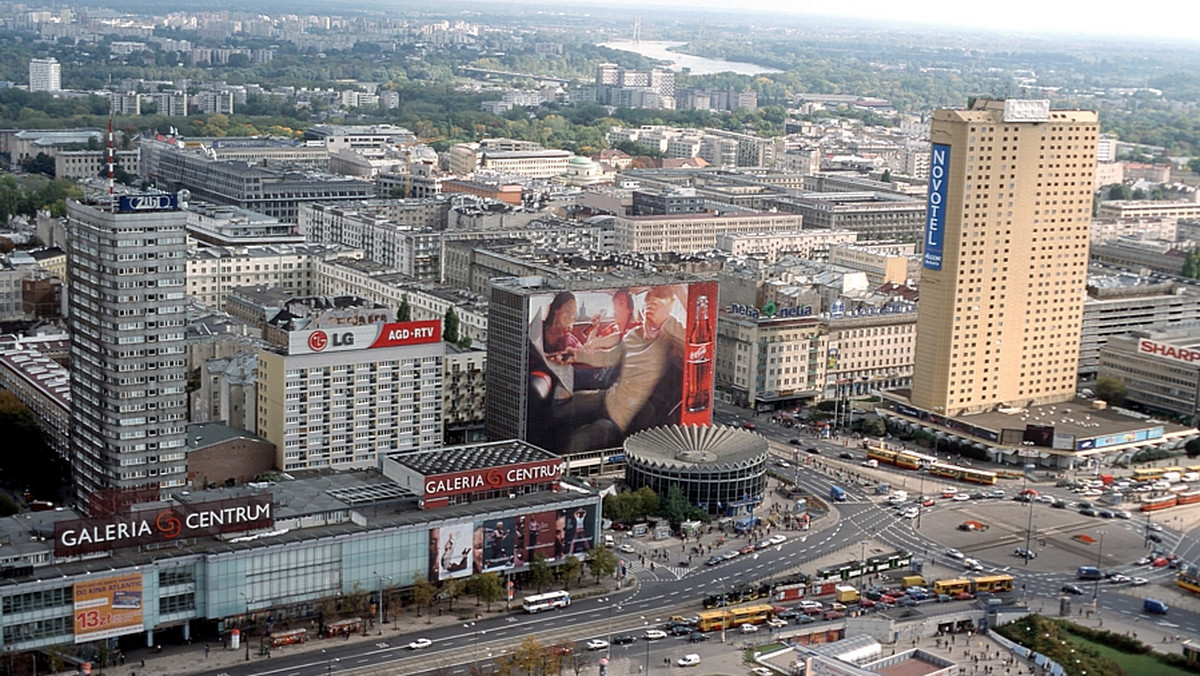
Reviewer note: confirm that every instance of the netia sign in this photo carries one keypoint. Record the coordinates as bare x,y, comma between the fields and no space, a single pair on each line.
116,531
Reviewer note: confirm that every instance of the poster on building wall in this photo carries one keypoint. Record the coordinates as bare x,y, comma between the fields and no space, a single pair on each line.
108,607
535,534
578,531
495,542
604,364
451,551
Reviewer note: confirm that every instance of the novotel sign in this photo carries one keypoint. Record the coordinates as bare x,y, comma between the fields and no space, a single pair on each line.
129,203
178,522
370,336
1182,354
935,210
492,478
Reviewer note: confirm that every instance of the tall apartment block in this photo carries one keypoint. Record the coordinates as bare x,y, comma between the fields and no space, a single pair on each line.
126,258
45,75
1005,256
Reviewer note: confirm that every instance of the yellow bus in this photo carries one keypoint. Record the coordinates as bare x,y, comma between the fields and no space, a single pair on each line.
1176,470
1152,474
711,620
951,587
993,583
749,615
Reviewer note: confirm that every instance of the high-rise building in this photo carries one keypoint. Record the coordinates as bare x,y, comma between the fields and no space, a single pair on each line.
1005,256
45,75
128,367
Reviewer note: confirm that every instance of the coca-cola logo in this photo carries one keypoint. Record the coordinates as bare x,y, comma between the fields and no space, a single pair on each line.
699,352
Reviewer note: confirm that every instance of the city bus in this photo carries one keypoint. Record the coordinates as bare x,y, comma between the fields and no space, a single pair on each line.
547,601
951,587
1152,474
993,583
710,620
749,615
968,474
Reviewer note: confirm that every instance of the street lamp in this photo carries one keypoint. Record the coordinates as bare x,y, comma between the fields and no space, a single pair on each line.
1099,555
612,606
329,660
380,599
245,622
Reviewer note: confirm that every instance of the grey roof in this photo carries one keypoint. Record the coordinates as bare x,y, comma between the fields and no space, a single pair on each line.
697,446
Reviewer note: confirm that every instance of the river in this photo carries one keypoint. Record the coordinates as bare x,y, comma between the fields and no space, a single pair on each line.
696,65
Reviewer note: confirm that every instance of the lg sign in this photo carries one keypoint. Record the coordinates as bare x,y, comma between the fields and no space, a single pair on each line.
317,341
393,334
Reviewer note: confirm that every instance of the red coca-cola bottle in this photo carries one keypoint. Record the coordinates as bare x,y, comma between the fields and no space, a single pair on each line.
699,359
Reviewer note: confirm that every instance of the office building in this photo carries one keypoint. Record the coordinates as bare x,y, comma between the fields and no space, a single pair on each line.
686,233
1005,256
1160,368
873,215
126,298
45,75
1119,303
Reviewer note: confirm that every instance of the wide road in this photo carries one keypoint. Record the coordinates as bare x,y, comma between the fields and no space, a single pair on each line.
673,589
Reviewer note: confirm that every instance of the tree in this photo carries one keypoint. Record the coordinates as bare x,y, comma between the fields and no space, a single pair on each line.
404,312
1193,447
487,588
451,590
450,326
540,574
1119,191
1111,390
568,568
1194,165
887,176
602,562
874,427
677,509
423,592
1191,264
464,341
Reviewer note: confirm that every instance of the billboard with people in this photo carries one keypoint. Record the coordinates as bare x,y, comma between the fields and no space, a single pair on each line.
604,364
503,543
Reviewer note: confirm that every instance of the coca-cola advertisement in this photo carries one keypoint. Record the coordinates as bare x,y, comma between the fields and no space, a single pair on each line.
604,364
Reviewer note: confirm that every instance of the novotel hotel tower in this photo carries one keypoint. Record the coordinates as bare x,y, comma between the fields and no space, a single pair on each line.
1005,254
128,368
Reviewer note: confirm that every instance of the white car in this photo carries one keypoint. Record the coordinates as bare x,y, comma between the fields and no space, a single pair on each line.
1157,528
762,671
805,605
972,564
961,497
1119,579
1044,498
655,634
749,628
777,539
955,554
627,548
420,643
1139,581
688,660
597,644
776,623
782,464
910,512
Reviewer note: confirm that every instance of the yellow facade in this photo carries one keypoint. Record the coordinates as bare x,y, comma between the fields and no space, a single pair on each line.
1000,322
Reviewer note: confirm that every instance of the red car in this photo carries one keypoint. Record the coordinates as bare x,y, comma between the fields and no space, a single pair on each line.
964,596
866,603
928,503
1029,492
812,611
746,550
1160,562
833,615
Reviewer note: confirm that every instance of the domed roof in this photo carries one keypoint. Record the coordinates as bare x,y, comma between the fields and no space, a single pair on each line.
581,161
696,446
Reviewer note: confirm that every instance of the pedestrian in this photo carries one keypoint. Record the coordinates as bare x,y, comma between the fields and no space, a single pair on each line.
205,651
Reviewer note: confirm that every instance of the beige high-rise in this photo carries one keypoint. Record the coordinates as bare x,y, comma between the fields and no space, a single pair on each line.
1011,204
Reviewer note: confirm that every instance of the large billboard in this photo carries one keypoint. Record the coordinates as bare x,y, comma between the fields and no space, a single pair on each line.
451,551
604,364
935,210
370,336
503,543
107,607
177,522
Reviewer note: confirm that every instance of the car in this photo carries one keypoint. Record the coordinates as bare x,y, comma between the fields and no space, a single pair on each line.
1157,528
964,596
654,634
1122,514
419,644
794,442
929,503
776,623
1072,589
1139,581
680,629
749,426
1144,561
866,603
846,456
813,449
1022,498
623,639
972,564
806,619
729,555
806,605
777,539
1119,579
762,671
561,650
714,560
910,512
789,614
1085,505
955,554
627,548
746,549
697,637
998,494
908,602
1104,514
783,464
749,628
978,496
1154,537
1059,504
873,594
833,615
1025,553
961,497
1044,498
949,491
688,660
944,598
1087,511
1160,562
1029,491
597,644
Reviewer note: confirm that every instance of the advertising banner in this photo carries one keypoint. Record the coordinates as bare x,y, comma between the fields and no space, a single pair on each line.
495,540
177,522
344,338
935,213
535,534
578,528
451,550
108,607
605,364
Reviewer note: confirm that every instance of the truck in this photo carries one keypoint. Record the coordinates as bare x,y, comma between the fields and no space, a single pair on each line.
845,593
745,523
912,581
1088,573
1155,606
837,494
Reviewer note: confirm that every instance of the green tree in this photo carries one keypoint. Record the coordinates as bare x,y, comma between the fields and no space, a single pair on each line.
487,588
677,509
464,341
1118,191
602,562
1111,390
540,574
423,592
1191,264
1194,165
887,176
451,590
450,326
404,312
568,569
1193,447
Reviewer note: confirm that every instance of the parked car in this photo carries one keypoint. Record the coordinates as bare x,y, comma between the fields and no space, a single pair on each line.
655,634
597,644
749,628
1025,553
688,660
1059,504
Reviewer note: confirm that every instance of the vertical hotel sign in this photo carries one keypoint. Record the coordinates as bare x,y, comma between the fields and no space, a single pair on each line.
935,211
108,607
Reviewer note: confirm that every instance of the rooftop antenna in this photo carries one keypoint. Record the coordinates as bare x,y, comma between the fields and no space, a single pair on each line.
112,102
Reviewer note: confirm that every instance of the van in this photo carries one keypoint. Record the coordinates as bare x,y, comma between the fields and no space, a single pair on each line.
1088,573
898,497
1155,606
912,581
870,463
609,541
